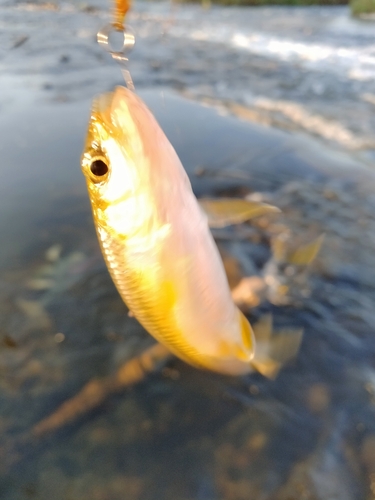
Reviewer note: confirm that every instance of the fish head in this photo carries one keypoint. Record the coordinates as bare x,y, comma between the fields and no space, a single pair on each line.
113,162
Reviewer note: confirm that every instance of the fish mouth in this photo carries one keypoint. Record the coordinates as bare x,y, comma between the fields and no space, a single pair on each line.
103,102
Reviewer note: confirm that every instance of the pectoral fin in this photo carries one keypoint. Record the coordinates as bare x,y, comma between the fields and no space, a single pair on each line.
229,211
274,349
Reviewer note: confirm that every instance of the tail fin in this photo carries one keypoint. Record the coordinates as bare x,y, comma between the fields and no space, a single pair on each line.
274,349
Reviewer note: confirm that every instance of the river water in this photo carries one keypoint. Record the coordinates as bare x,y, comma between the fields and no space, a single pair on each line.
182,433
309,69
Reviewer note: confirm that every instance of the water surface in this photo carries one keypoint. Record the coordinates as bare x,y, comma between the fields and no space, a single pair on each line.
183,433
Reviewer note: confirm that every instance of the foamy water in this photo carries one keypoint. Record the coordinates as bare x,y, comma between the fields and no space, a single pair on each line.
340,45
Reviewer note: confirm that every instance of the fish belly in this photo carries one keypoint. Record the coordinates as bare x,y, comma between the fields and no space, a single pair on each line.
177,290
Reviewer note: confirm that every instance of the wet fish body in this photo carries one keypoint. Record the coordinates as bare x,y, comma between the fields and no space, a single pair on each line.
156,240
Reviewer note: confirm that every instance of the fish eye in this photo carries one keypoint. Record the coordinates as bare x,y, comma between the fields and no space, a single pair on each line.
99,168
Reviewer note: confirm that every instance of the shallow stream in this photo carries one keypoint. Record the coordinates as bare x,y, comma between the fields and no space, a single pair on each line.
179,433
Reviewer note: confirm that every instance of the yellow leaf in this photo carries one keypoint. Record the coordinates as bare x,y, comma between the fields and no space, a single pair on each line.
305,254
228,211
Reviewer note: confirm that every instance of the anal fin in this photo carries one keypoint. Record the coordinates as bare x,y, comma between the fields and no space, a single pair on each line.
274,349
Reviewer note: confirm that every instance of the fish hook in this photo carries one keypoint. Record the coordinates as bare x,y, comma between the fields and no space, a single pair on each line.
120,56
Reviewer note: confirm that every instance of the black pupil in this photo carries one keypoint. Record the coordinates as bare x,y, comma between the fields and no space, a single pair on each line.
99,168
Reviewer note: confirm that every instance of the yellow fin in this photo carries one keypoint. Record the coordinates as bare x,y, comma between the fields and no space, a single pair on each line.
267,367
305,254
247,333
274,350
228,211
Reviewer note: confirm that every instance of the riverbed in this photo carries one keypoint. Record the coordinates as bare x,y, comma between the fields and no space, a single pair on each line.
180,432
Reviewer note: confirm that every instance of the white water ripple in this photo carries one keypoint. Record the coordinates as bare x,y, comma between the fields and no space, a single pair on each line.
344,55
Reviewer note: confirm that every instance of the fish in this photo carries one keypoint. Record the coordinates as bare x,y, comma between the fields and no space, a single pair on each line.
156,240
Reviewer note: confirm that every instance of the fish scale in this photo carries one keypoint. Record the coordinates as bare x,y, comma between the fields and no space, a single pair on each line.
141,302
156,240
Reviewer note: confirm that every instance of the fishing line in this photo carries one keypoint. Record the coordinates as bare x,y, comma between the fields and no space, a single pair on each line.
128,39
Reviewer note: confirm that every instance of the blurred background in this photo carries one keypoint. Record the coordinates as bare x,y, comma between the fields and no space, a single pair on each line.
272,102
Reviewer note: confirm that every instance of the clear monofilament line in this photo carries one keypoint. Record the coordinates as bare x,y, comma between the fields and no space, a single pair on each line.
128,41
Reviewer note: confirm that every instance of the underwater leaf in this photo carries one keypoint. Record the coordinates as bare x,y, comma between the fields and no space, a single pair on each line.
249,291
305,254
35,312
279,249
53,253
228,211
